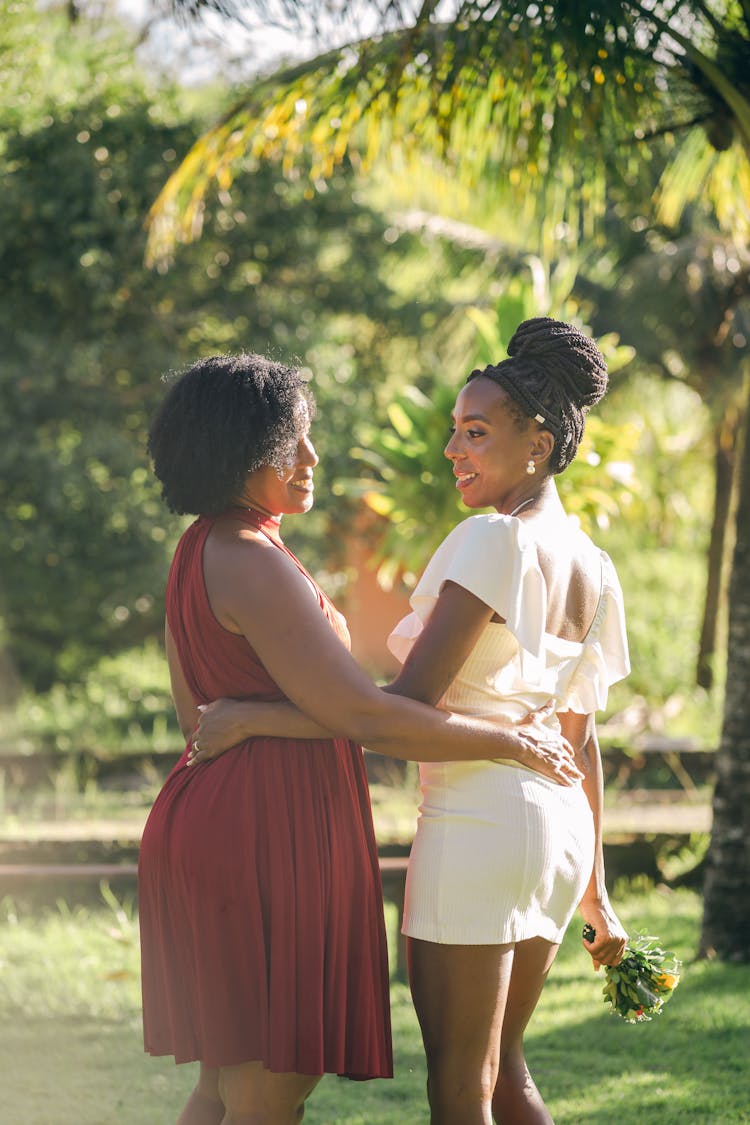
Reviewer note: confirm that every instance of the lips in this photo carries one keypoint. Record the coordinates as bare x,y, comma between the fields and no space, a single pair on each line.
303,484
463,480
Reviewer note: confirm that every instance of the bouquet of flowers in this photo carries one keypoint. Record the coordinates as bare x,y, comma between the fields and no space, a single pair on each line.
639,987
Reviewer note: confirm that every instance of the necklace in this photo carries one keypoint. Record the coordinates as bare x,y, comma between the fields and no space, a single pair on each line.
522,505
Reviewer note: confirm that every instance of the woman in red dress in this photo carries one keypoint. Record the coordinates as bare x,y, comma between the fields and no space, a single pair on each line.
263,945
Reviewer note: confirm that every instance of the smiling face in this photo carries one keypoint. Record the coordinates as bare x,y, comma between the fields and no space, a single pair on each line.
287,490
489,451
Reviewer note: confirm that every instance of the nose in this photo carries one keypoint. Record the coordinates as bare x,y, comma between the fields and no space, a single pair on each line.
450,450
306,453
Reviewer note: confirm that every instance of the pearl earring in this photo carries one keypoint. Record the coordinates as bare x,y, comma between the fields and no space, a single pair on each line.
530,467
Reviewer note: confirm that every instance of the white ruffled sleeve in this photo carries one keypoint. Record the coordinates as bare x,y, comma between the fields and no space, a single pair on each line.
490,556
604,659
493,557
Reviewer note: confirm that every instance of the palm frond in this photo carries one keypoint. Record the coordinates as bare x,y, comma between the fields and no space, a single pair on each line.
485,99
720,181
533,104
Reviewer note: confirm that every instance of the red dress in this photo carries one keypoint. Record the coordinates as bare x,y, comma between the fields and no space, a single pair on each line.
262,934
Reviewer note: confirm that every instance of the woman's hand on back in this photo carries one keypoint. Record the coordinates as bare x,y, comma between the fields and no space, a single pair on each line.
227,722
544,750
223,724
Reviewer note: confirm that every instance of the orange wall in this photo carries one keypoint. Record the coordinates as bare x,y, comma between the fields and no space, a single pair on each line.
370,611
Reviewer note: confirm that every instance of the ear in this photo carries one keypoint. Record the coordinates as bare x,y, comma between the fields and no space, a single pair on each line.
542,445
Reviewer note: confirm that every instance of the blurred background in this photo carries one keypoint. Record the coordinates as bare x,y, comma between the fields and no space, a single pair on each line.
377,192
388,279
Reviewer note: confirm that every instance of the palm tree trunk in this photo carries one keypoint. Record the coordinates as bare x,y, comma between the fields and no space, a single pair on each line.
725,456
726,907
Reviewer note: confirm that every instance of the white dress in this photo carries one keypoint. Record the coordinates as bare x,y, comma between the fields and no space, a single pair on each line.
501,853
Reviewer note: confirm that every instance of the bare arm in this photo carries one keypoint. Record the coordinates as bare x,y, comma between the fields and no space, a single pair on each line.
227,722
445,643
256,590
607,948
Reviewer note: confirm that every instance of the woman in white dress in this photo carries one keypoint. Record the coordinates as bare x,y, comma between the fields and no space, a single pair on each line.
513,610
516,610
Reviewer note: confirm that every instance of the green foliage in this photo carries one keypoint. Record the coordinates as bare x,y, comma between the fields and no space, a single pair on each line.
84,538
673,294
123,701
658,544
412,487
506,95
88,956
406,480
86,332
540,290
460,90
312,273
664,602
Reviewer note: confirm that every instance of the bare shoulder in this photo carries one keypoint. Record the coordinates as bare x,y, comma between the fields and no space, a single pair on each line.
572,567
587,555
245,572
228,531
561,546
244,552
234,550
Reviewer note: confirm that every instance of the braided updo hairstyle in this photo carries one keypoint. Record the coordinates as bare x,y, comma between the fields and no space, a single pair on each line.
553,373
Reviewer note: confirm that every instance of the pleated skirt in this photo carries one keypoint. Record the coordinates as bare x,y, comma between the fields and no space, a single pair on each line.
261,915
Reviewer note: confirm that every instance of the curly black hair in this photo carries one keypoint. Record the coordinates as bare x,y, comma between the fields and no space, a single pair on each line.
554,373
222,418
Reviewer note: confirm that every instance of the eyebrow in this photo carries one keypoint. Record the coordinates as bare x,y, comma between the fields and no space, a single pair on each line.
474,418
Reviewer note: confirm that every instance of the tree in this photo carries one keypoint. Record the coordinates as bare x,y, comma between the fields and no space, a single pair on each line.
726,908
88,331
505,93
681,298
82,539
542,98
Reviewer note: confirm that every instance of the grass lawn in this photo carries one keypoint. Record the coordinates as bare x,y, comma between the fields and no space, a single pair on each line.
72,1054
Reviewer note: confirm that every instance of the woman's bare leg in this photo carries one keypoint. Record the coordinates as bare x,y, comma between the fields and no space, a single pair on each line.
256,1096
204,1106
517,1100
459,994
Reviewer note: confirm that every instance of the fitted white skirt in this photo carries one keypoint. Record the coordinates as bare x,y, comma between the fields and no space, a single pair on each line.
501,854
